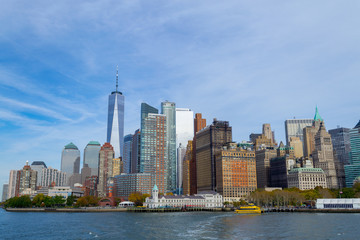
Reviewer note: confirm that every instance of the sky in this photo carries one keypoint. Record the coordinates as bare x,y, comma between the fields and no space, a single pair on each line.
246,62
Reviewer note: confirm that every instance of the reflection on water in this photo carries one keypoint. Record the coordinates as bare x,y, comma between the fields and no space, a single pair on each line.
179,225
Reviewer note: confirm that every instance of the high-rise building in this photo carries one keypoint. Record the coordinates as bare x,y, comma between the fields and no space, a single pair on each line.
168,109
91,157
70,160
13,177
105,168
263,157
186,168
5,192
51,176
115,126
352,171
117,166
235,172
209,142
181,151
146,109
127,183
127,153
199,123
27,179
340,138
135,152
155,154
297,145
294,128
38,166
184,126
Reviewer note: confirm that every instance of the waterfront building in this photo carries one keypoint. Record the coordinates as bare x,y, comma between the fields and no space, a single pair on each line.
352,171
186,168
105,168
209,142
202,200
235,172
146,109
27,178
70,160
127,153
340,138
338,203
91,157
127,183
199,123
297,145
306,178
135,152
115,125
5,192
294,128
168,109
13,177
263,157
51,176
181,151
38,166
65,192
154,150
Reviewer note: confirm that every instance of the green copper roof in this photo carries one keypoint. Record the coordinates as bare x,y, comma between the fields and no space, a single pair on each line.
155,188
357,125
71,146
306,170
94,143
317,115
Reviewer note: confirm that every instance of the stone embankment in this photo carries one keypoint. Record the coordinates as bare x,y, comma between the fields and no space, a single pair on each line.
310,210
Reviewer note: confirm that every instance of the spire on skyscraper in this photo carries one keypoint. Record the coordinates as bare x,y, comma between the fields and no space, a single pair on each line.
317,115
117,77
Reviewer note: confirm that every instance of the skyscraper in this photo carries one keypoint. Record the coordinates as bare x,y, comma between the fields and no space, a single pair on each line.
91,157
352,171
115,127
50,176
181,151
105,168
127,153
340,138
38,166
168,109
5,192
70,160
146,109
135,152
13,176
27,178
294,128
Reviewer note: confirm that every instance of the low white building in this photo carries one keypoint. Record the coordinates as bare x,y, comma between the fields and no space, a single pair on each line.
338,203
306,178
204,200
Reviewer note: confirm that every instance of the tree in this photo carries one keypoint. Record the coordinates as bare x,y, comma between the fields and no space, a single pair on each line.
70,200
136,198
38,200
59,200
81,202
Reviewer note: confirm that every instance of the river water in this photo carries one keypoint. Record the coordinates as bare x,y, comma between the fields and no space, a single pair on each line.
178,225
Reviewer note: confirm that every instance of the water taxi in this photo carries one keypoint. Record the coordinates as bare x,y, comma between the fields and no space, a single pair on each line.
249,209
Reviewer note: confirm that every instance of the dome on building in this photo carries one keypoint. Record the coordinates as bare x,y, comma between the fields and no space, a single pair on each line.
71,146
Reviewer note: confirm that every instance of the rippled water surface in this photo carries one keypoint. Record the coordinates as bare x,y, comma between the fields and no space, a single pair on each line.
179,225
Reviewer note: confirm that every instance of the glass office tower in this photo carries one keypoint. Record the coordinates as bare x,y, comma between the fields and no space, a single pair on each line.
70,160
115,127
352,171
91,157
127,153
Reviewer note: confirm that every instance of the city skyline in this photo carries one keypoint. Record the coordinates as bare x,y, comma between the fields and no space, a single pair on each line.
208,57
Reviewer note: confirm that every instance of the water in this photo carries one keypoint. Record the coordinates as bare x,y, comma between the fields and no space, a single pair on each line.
178,225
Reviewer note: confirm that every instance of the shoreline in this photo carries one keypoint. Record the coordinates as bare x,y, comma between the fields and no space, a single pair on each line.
162,210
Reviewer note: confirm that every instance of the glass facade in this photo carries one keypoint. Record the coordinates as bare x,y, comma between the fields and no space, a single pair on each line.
70,160
115,127
127,153
294,128
352,171
38,167
341,143
91,157
168,109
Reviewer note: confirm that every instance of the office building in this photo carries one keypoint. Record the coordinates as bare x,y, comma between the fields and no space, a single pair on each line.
209,142
13,177
5,192
115,126
27,179
294,128
340,138
199,123
181,151
135,152
186,168
184,126
52,177
263,157
235,172
297,145
70,160
117,166
127,183
91,157
168,109
306,178
352,171
38,166
127,153
105,168
146,109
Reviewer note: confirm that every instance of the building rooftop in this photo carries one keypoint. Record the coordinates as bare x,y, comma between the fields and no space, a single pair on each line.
357,125
94,143
38,163
71,146
306,170
317,116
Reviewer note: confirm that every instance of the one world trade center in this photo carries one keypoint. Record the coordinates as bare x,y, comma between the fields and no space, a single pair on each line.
115,126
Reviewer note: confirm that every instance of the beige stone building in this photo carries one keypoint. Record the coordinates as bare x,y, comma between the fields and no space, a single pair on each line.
186,168
297,145
263,157
306,178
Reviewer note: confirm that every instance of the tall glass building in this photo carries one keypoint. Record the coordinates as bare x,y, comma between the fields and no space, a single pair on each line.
294,128
91,157
340,138
168,109
70,160
38,166
115,127
352,171
127,153
146,109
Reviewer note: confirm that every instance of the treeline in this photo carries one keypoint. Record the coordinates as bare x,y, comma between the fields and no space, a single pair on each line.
297,197
39,200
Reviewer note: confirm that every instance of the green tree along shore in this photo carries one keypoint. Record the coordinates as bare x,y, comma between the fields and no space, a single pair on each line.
296,197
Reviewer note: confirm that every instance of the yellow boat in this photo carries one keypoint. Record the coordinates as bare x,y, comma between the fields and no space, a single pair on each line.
249,209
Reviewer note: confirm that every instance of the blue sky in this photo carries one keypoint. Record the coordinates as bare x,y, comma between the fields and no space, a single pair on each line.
248,62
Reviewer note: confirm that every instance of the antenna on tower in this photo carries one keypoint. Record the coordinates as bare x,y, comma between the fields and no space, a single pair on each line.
117,77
